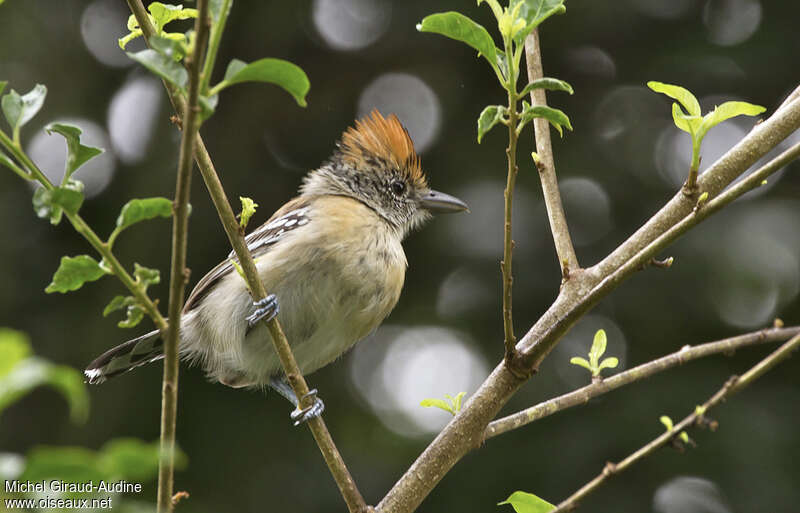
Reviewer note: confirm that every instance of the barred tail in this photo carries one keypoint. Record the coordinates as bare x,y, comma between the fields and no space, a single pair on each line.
118,360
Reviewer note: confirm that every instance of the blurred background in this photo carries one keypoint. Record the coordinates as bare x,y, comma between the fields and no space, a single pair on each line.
732,274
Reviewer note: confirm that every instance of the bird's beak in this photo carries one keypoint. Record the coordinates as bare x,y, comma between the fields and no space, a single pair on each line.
439,202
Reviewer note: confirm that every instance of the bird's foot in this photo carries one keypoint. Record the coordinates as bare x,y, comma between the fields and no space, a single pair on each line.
266,310
303,415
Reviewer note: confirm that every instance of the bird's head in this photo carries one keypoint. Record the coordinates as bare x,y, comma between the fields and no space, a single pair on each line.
376,164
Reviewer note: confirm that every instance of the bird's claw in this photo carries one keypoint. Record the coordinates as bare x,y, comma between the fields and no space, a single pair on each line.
303,415
266,309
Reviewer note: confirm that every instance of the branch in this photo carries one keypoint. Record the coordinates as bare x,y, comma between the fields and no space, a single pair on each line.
674,219
583,395
733,385
330,453
567,258
178,274
577,296
509,339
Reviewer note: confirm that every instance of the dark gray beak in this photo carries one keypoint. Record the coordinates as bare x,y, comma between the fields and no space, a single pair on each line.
439,202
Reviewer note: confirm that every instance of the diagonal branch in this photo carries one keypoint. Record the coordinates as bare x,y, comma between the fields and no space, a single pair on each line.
577,296
733,385
583,395
330,453
567,258
178,273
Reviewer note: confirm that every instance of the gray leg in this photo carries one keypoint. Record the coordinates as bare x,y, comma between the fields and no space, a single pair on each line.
299,416
266,310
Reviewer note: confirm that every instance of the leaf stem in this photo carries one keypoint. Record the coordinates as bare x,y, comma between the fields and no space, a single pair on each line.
178,277
217,29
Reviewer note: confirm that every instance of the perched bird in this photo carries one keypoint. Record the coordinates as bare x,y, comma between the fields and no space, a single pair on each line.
331,257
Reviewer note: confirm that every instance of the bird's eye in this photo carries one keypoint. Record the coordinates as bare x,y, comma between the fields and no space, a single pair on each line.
398,187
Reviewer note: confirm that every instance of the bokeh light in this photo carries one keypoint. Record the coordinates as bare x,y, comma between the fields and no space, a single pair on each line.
485,200
132,117
730,22
688,494
756,263
351,24
411,99
401,366
102,23
588,209
50,153
592,61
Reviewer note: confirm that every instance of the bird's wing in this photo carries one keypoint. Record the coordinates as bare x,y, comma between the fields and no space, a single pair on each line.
289,217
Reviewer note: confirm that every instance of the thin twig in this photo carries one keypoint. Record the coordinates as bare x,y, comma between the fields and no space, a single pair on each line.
567,258
178,276
585,394
333,459
510,340
733,385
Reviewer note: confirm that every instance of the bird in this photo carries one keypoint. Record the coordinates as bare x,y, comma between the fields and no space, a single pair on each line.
331,258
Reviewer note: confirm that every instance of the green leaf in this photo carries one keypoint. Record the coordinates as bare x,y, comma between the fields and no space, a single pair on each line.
272,71
667,422
32,372
608,363
77,153
165,13
118,303
437,403
726,111
577,360
50,203
687,123
524,502
135,314
71,464
248,209
207,106
461,28
18,110
490,116
162,66
124,40
140,209
130,458
675,92
14,347
534,12
68,199
3,83
551,84
146,276
598,347
73,273
556,117
169,47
